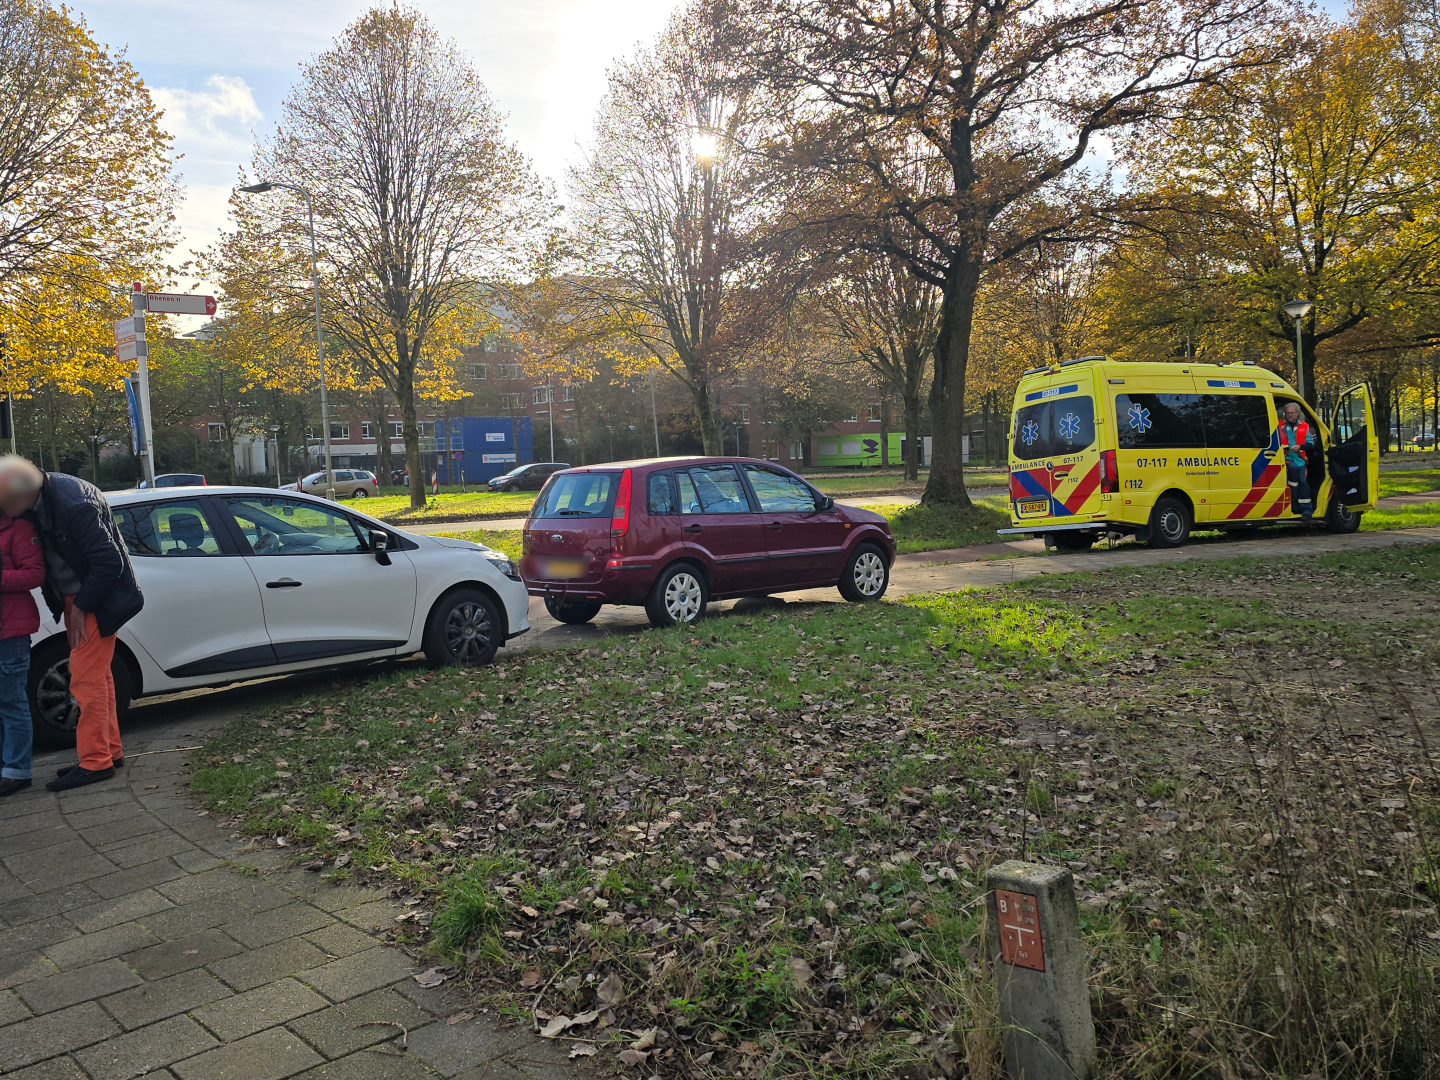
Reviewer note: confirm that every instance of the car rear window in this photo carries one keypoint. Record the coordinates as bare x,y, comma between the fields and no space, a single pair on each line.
1055,428
577,495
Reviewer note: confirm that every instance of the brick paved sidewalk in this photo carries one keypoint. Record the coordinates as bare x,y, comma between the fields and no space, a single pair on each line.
137,939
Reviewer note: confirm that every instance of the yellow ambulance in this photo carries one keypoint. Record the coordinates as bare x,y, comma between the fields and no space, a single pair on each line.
1101,447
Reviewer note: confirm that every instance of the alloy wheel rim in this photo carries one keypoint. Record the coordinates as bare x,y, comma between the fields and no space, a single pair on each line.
467,632
869,573
682,598
52,694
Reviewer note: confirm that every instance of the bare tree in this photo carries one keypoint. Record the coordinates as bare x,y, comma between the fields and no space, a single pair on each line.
668,209
890,317
419,199
1012,96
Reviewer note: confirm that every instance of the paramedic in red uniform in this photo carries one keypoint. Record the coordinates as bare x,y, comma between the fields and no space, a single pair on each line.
1295,435
88,580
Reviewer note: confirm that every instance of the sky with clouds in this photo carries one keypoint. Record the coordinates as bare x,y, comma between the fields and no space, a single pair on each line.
221,69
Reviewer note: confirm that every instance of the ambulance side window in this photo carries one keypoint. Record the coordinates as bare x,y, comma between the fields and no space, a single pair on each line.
1159,421
1235,421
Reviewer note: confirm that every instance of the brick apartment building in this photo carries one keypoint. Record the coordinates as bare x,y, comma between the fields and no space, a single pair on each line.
497,384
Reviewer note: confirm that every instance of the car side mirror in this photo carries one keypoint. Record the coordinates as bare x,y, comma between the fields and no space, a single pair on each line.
827,503
380,545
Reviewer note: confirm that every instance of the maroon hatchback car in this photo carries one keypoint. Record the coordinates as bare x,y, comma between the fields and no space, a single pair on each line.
672,534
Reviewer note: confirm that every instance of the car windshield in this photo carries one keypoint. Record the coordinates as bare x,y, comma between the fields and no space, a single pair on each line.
577,495
313,478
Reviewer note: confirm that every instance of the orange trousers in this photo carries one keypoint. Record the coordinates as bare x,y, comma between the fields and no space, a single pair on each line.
98,734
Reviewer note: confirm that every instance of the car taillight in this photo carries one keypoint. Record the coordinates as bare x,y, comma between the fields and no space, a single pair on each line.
1109,472
620,517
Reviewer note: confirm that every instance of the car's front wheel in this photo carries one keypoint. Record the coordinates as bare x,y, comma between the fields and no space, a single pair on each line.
678,596
463,630
1341,519
866,576
53,712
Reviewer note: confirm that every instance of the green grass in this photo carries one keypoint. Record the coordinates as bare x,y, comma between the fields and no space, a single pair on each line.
1407,482
931,528
1405,517
773,827
448,506
879,482
508,541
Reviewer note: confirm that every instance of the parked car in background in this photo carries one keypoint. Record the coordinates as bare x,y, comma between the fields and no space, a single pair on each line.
672,534
175,479
242,582
530,477
349,484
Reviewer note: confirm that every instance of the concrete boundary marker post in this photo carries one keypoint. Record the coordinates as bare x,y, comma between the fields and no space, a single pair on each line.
1041,972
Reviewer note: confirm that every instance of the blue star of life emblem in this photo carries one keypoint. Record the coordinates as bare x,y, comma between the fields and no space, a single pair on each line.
1070,425
1030,432
1140,418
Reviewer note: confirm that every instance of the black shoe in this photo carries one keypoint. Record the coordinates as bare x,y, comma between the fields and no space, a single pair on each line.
10,787
79,777
118,763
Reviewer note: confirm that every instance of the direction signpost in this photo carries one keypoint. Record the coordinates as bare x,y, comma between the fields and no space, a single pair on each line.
130,345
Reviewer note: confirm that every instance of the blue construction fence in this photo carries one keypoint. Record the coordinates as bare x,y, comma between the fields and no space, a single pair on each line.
480,448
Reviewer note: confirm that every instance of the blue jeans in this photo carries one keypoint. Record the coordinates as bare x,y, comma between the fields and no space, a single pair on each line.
1299,479
15,707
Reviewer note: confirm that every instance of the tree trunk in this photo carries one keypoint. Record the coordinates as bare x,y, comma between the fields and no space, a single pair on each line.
914,449
947,393
1380,386
383,466
705,416
885,396
1434,401
410,430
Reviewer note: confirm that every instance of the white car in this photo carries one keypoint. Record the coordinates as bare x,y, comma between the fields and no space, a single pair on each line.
246,582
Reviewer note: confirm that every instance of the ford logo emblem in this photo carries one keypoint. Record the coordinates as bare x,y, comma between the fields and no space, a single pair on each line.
557,538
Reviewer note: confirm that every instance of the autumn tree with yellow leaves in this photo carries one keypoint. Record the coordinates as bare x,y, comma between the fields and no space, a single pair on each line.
1316,179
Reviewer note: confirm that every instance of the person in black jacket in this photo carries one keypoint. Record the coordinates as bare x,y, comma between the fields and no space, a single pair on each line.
88,580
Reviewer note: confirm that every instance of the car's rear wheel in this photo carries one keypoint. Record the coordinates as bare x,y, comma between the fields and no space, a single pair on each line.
574,612
678,596
360,493
463,630
53,712
866,576
1169,523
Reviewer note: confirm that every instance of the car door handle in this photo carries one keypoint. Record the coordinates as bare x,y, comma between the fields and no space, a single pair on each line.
777,526
694,528
284,583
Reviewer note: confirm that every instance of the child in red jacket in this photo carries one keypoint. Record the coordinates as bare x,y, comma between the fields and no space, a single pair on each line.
22,569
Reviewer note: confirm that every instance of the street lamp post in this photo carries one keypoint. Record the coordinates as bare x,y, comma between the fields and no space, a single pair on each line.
1297,310
260,189
275,434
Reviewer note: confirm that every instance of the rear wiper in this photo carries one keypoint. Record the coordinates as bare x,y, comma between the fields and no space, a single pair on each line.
583,513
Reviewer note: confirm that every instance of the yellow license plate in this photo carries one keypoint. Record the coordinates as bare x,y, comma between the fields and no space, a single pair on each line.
560,569
1034,506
